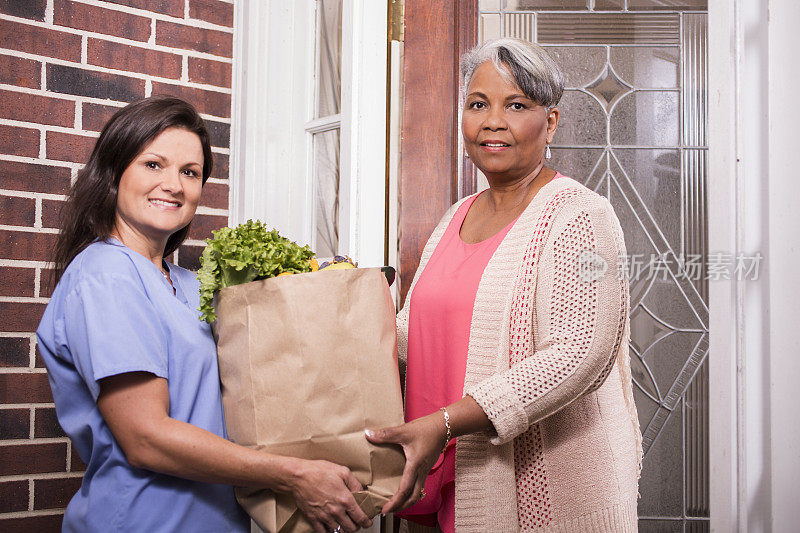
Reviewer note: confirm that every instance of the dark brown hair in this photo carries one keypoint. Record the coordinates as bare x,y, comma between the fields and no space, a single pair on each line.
90,210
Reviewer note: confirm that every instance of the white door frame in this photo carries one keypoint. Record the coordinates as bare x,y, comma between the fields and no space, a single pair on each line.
754,362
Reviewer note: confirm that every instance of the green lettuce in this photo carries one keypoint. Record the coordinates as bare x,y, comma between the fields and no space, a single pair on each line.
246,253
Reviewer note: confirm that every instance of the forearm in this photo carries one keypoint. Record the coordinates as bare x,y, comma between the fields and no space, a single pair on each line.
466,417
183,450
136,405
322,490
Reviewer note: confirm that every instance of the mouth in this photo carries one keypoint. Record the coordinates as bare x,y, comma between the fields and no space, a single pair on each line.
494,145
169,204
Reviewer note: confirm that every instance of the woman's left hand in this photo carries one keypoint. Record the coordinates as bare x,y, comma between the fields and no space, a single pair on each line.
422,441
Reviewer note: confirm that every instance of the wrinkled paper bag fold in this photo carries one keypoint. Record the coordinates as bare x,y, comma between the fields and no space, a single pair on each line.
307,362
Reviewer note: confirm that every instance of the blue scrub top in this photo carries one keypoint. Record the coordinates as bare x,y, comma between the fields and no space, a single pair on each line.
113,312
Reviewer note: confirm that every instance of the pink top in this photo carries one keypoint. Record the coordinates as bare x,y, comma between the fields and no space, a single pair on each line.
438,339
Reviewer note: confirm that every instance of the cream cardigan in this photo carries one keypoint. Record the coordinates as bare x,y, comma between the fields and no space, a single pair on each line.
548,325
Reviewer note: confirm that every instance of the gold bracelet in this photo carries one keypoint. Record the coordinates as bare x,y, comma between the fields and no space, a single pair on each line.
449,434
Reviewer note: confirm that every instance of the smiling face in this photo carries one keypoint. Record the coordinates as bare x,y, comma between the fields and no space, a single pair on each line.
504,131
159,192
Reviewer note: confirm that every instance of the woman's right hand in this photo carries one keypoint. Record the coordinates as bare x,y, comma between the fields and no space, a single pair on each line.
323,492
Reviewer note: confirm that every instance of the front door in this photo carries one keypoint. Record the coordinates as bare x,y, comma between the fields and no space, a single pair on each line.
633,128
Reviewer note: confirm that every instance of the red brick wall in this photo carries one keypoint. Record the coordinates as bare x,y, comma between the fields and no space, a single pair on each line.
65,67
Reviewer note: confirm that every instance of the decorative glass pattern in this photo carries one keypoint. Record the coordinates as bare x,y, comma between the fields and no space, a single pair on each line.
668,5
524,5
633,127
609,4
608,88
608,28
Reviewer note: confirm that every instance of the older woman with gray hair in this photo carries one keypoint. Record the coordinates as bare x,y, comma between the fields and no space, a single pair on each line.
514,335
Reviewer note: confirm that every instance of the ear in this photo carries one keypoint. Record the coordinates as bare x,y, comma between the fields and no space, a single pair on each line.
552,124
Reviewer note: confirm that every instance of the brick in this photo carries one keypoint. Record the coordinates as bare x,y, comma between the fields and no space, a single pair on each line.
208,102
50,523
68,147
15,423
19,141
81,82
17,281
189,257
215,195
36,108
38,361
14,351
51,213
24,388
220,169
46,286
13,496
20,71
19,317
17,176
45,424
28,246
212,11
167,7
54,493
33,458
101,20
190,38
40,41
17,211
133,59
219,132
210,72
76,463
203,225
95,116
29,9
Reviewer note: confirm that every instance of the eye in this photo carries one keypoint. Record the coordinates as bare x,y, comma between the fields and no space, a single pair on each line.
191,173
477,105
152,165
517,106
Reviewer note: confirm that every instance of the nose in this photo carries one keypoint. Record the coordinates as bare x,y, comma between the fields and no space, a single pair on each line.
172,181
495,119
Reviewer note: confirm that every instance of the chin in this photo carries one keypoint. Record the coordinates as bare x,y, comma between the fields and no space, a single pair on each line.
164,231
494,169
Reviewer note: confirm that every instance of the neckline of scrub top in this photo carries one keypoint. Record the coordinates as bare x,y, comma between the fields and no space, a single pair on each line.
176,287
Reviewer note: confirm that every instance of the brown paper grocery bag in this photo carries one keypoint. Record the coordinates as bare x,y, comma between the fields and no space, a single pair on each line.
307,363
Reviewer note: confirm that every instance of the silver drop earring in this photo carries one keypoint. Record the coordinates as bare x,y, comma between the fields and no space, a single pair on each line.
547,151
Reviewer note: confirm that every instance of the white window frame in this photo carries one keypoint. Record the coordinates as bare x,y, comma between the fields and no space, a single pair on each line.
273,124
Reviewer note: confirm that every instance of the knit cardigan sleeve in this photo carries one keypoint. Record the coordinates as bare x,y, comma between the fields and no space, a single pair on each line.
579,314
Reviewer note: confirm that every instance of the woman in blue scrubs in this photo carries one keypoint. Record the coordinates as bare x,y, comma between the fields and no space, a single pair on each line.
132,368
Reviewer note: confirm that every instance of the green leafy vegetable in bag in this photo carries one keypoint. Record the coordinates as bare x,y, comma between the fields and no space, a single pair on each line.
246,253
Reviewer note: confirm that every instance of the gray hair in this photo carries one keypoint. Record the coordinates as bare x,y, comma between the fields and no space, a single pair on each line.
520,62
